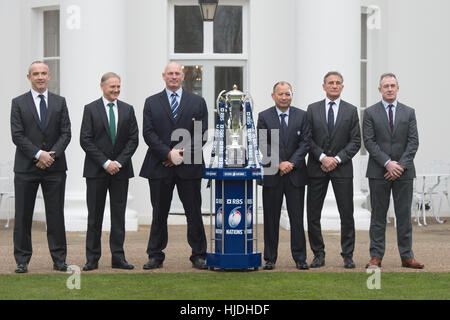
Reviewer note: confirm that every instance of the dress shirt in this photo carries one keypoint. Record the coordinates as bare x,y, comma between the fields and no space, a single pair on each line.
394,110
179,92
286,119
37,103
335,107
116,112
116,116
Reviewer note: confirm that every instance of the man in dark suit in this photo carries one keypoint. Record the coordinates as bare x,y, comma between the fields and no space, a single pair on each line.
40,129
336,138
174,124
109,136
391,138
292,145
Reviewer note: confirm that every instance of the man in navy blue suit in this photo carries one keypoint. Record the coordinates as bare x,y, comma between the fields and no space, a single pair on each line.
174,161
40,129
291,177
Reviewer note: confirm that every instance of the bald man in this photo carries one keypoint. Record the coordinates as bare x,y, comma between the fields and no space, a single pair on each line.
176,161
40,129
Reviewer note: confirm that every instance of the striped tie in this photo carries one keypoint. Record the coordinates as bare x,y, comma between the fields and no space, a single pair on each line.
391,117
174,104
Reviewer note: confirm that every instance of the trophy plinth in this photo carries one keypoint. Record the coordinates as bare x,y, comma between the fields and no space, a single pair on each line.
234,242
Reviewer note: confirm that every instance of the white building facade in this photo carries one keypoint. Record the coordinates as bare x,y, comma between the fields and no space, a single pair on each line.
253,43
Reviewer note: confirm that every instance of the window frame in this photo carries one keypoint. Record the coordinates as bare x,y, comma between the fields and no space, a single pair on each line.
38,35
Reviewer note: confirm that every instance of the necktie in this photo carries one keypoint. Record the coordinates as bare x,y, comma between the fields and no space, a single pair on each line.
330,118
391,117
283,137
284,128
174,104
112,122
43,110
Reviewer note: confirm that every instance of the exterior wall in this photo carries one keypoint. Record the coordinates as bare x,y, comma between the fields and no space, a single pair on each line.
413,43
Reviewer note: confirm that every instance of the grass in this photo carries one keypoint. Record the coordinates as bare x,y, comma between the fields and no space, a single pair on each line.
227,286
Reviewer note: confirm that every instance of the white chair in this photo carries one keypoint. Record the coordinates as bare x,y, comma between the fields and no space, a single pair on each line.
440,188
421,200
6,186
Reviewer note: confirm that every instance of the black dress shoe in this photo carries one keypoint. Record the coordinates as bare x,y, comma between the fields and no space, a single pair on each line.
21,268
199,263
348,263
302,265
152,263
90,266
270,265
61,267
122,265
318,261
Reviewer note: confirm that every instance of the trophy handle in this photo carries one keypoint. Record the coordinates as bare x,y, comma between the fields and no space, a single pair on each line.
248,98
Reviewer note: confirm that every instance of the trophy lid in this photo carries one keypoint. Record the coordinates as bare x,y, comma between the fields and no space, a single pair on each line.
235,93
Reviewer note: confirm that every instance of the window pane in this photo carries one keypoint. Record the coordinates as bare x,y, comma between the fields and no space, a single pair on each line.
227,77
193,76
53,83
228,29
188,29
51,33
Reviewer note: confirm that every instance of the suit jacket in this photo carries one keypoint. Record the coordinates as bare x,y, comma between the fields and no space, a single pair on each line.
29,137
158,127
344,141
400,145
296,146
95,139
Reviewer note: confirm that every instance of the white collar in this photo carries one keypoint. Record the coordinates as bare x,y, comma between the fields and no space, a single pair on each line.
179,92
37,94
337,101
386,104
281,112
105,102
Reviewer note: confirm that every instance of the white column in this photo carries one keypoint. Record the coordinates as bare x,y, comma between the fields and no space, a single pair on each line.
93,42
328,37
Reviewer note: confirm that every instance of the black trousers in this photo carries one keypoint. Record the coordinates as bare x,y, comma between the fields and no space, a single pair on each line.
96,198
343,191
53,189
272,202
161,191
380,193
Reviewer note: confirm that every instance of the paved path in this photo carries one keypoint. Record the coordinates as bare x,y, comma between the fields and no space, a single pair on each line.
431,245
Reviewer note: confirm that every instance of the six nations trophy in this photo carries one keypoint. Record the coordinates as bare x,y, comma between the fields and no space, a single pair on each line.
234,165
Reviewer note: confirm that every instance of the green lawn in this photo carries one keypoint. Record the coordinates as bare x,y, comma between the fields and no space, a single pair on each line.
228,286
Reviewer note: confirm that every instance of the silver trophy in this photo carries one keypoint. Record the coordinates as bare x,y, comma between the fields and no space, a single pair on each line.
235,156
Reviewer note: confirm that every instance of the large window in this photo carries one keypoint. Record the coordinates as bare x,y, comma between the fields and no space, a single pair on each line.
213,54
51,45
